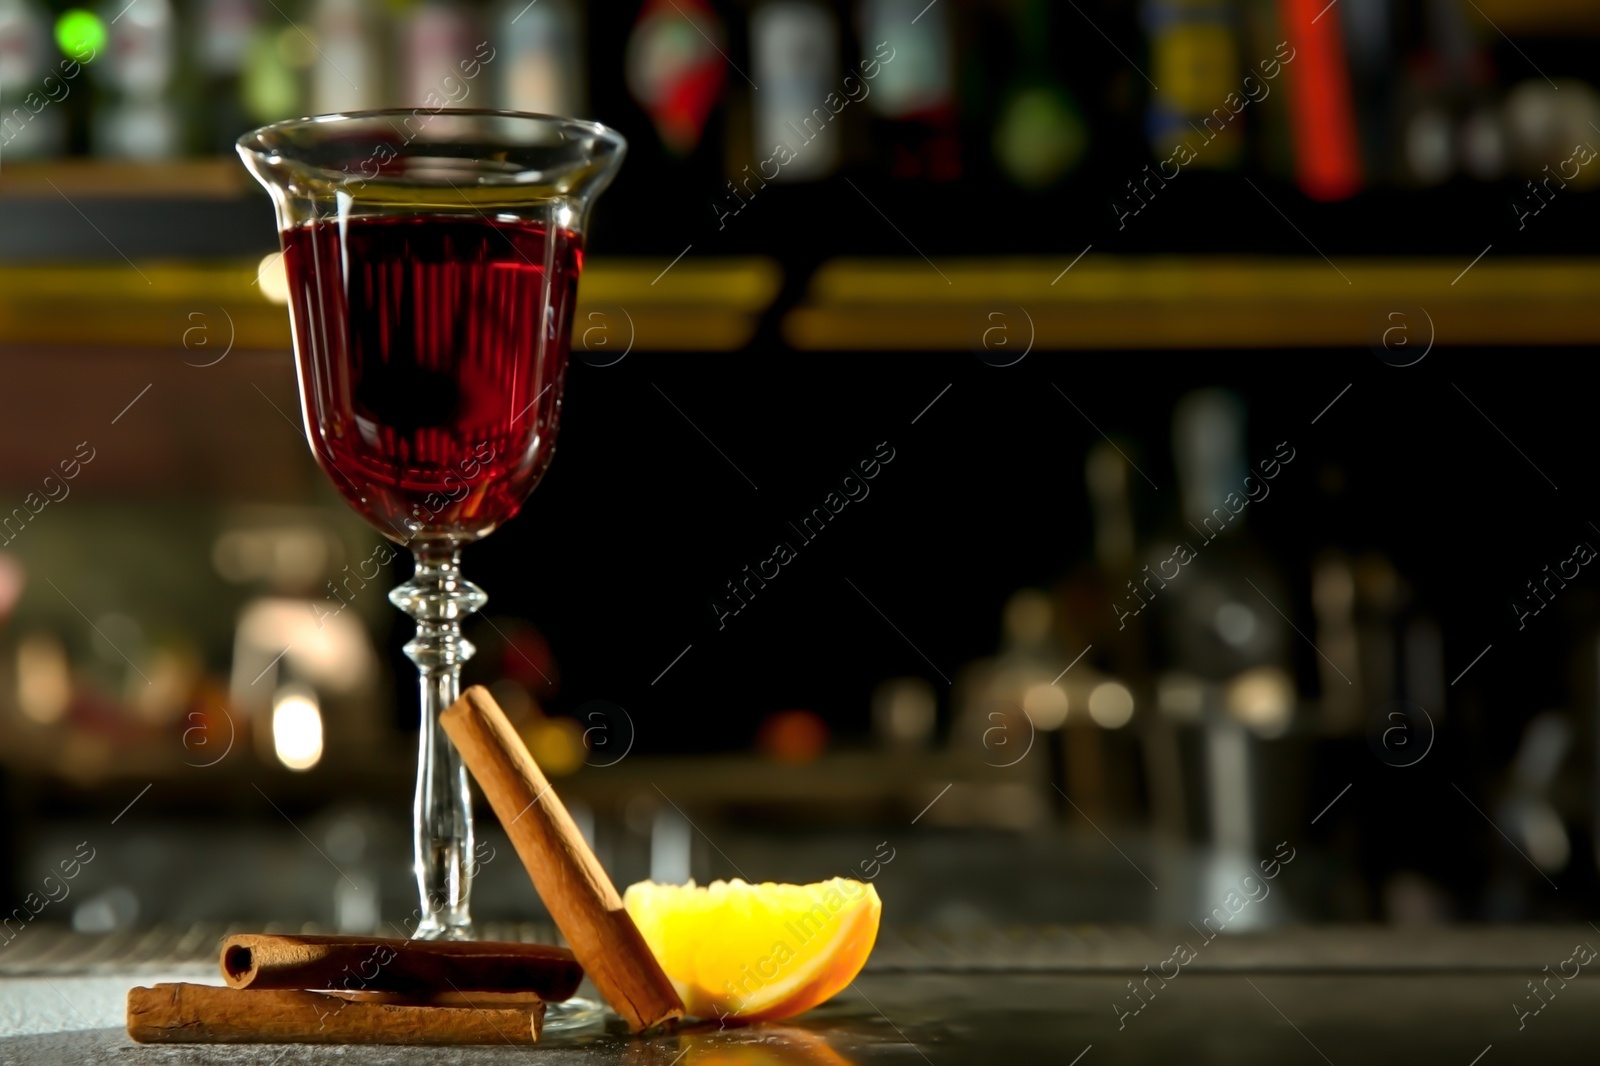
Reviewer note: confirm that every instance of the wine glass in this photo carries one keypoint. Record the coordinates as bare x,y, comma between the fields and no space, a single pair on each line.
433,261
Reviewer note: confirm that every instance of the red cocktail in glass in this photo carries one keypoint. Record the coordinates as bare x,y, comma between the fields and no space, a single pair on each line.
433,262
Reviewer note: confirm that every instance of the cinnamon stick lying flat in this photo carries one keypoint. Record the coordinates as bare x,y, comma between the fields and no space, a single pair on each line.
475,1000
205,1014
262,960
567,876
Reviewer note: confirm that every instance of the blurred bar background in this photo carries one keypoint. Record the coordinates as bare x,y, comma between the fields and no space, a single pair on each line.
1206,511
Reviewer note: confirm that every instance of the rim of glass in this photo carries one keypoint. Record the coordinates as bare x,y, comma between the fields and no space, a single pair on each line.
258,142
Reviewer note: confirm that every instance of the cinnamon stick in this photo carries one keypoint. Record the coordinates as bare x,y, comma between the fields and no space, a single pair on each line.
566,874
206,1014
475,1000
262,960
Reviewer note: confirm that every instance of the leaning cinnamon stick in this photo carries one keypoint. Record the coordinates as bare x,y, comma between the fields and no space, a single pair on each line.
567,876
262,960
205,1014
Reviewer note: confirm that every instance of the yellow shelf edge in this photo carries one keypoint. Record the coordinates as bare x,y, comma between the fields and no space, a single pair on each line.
1171,279
747,284
1057,329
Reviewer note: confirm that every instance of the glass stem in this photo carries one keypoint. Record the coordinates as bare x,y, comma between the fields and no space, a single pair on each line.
437,598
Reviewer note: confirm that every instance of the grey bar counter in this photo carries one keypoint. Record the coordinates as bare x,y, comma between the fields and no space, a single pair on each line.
1066,996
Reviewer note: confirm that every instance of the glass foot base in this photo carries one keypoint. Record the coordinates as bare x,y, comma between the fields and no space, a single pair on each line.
444,932
572,1015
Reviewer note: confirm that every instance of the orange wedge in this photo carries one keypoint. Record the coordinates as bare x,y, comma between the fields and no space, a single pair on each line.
757,952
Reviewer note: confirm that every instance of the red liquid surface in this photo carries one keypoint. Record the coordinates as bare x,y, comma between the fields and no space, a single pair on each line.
430,390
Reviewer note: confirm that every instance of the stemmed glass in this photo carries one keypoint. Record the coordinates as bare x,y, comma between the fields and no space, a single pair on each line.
433,261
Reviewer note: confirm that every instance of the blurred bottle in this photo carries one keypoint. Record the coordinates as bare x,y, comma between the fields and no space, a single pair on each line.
540,65
1545,125
1028,658
1424,137
1005,705
136,117
32,123
1218,625
1422,663
223,34
904,714
1381,600
1369,40
794,50
436,39
913,94
1093,597
346,74
272,85
1327,154
1333,600
1040,135
1479,133
1269,131
1447,115
1194,57
1532,807
1483,140
676,69
1108,476
1220,599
